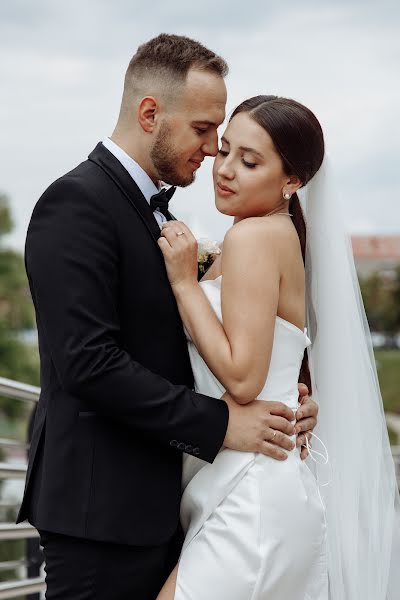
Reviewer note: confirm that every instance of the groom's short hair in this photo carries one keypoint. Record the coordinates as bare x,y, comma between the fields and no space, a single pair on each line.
164,62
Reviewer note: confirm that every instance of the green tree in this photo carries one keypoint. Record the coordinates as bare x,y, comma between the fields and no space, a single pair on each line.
17,360
381,295
396,298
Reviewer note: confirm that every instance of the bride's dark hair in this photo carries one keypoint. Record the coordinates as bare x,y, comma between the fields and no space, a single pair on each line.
299,141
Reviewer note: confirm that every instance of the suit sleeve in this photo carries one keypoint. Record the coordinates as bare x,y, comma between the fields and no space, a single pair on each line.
72,260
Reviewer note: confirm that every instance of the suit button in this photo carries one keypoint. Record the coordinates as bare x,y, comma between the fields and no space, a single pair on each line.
189,448
181,446
196,451
173,443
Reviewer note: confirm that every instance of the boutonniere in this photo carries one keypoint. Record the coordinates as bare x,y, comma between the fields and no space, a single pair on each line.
207,253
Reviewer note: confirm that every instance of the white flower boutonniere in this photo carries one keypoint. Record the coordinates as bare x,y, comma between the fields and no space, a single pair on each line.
207,253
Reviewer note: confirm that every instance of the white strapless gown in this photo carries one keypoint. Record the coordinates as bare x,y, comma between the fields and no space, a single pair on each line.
255,527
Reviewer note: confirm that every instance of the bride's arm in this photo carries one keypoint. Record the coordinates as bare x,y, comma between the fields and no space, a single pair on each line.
239,351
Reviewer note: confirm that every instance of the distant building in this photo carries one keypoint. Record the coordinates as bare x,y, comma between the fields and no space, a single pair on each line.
376,253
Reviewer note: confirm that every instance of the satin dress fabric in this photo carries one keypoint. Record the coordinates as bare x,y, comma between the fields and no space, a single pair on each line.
254,527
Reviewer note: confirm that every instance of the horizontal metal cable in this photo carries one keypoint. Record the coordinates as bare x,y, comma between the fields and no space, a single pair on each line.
11,531
13,589
12,471
6,443
18,390
12,564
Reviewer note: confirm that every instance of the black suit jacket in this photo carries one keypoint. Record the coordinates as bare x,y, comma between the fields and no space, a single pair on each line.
116,408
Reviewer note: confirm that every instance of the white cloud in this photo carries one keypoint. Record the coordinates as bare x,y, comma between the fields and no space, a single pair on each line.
62,67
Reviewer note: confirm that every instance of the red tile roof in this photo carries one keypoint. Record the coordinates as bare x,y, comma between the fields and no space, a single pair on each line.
376,246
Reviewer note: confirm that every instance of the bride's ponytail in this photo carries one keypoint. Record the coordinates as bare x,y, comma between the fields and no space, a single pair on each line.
300,225
298,221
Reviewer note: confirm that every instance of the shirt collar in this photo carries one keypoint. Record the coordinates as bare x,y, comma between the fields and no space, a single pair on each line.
139,175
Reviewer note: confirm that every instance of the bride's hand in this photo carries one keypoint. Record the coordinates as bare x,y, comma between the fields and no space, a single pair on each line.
179,248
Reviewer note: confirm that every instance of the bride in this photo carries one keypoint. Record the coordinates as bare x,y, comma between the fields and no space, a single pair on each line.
245,328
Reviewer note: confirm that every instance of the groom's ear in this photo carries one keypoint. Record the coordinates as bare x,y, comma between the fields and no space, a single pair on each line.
148,113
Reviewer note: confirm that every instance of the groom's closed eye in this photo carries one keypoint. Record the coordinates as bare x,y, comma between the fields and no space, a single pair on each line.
203,126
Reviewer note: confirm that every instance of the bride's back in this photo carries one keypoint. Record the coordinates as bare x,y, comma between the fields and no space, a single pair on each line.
291,305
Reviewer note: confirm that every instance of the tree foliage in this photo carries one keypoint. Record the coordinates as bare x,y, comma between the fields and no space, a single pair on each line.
381,295
17,360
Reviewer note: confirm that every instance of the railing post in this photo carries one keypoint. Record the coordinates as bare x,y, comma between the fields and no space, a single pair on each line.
33,584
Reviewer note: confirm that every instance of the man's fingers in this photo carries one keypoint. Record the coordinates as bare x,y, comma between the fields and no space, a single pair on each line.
282,424
304,453
273,451
304,399
279,439
281,410
306,424
301,439
309,408
303,389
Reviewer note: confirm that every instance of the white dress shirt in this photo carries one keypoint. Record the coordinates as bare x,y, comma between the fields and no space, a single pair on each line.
139,176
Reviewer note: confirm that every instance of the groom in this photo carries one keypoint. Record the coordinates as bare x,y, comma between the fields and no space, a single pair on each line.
117,406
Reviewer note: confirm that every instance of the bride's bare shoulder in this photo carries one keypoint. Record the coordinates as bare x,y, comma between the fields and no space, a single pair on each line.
261,230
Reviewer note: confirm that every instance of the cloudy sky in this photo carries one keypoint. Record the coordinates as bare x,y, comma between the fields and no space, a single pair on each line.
62,66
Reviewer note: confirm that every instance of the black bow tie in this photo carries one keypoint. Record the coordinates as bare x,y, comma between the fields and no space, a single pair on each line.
160,201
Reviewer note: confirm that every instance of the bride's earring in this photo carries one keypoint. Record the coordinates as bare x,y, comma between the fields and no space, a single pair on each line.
287,195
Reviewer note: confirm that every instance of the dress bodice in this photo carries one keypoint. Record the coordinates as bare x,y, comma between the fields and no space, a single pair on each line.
287,354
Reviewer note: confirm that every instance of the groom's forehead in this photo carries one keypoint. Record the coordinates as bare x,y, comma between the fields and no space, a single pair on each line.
204,97
205,111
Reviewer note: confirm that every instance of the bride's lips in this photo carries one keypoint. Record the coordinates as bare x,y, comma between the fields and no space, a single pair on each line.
224,190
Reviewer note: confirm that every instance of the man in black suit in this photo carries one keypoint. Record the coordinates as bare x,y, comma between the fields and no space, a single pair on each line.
117,408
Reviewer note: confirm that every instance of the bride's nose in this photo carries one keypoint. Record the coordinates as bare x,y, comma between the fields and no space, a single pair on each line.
226,170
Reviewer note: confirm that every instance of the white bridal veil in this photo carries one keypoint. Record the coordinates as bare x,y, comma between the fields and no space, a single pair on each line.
361,499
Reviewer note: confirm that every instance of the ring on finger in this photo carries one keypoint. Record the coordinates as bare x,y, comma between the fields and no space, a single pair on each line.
180,233
273,437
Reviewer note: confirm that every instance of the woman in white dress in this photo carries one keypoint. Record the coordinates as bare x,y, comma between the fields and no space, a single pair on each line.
245,324
256,528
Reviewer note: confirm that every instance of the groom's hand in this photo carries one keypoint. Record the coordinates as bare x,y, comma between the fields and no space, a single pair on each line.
260,426
306,417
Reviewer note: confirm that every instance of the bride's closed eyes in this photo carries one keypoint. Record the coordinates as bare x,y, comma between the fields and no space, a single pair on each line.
245,162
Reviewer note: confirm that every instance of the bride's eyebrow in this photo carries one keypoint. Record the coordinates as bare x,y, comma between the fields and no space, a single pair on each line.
243,148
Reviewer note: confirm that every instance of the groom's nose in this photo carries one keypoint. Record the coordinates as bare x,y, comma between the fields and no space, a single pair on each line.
210,145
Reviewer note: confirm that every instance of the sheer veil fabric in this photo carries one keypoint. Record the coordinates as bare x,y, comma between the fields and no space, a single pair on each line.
361,498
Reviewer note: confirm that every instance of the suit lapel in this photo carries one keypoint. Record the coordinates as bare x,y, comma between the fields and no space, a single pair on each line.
124,182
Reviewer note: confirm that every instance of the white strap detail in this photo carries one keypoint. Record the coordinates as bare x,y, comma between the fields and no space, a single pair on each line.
324,457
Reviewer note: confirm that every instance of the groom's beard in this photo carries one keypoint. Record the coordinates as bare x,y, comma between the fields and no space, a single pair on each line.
165,158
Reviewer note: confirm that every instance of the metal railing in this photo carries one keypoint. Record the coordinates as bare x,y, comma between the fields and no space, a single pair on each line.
396,458
11,531
10,470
